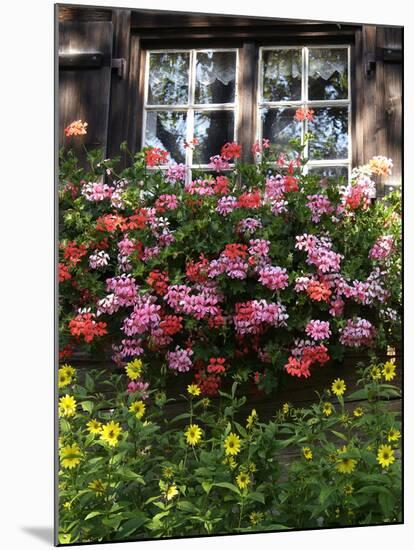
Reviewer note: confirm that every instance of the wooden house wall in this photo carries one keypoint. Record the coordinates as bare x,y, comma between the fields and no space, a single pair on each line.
109,99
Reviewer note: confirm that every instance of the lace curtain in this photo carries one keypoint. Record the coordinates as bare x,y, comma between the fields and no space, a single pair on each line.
285,64
220,66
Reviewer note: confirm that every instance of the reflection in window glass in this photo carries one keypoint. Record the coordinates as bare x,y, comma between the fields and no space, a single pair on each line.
215,77
330,131
328,73
316,80
279,126
190,95
168,78
167,130
330,173
212,129
282,75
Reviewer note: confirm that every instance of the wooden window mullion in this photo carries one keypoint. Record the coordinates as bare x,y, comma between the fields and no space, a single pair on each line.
246,124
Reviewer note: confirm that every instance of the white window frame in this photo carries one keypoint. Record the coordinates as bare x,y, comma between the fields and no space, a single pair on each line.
306,103
191,107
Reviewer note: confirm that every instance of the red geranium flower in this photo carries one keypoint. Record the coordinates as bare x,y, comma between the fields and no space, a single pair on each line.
303,113
158,280
234,251
250,200
154,156
109,222
216,365
171,324
318,291
197,271
221,185
230,150
64,274
73,252
84,324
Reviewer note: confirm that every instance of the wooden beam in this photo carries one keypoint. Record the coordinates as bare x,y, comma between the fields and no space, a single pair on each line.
247,99
275,32
135,95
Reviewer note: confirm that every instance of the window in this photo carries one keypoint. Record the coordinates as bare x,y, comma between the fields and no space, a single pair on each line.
316,78
190,94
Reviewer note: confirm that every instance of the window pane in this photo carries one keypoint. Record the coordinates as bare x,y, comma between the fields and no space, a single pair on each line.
280,127
282,75
215,77
329,172
168,131
212,129
168,78
330,130
328,73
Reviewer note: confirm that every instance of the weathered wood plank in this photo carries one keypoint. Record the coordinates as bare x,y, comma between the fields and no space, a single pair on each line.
118,108
83,13
389,103
368,114
247,98
134,109
357,98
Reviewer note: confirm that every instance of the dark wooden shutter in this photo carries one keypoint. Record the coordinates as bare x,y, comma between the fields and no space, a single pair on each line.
85,57
390,79
377,98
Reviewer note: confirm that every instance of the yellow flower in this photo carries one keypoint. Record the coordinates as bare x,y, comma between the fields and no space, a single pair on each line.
338,387
170,492
167,472
231,462
232,444
345,465
348,489
252,467
205,402
375,373
307,453
67,405
359,411
68,370
63,378
255,517
251,419
243,480
67,505
394,435
97,486
385,456
193,434
388,370
285,408
94,426
134,369
138,409
327,409
110,433
194,390
70,456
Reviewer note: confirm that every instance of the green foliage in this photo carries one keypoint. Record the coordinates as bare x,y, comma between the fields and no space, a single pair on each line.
153,484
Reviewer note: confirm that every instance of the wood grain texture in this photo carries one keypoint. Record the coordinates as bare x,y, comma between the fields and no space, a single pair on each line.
377,101
118,108
69,12
389,102
84,93
246,129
